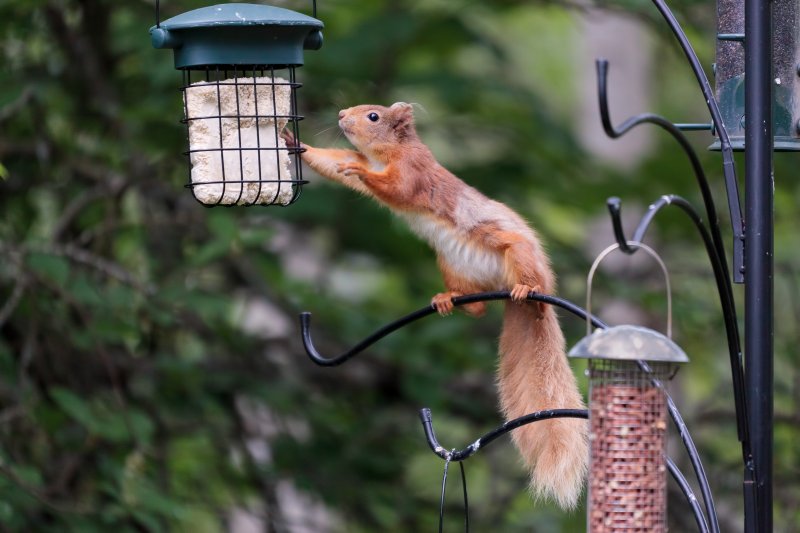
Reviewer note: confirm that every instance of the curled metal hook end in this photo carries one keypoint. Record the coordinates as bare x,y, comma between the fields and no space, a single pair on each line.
602,97
614,205
430,436
308,344
602,66
305,324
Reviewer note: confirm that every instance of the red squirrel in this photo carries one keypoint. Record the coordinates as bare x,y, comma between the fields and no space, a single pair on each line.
481,245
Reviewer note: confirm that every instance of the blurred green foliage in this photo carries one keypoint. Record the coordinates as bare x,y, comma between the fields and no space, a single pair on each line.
151,375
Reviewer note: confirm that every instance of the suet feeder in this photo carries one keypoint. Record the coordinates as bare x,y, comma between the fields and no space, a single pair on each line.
729,73
239,89
628,426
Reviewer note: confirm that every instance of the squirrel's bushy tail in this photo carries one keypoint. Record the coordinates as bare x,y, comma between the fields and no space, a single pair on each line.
534,375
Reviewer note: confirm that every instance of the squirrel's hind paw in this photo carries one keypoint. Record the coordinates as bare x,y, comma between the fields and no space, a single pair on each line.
520,293
443,302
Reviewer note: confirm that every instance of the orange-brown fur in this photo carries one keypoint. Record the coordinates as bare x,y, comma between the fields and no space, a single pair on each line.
481,245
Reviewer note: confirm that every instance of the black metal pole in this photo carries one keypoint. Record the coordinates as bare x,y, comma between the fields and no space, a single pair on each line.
759,249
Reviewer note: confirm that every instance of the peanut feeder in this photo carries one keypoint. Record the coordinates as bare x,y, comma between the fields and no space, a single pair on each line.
628,426
239,93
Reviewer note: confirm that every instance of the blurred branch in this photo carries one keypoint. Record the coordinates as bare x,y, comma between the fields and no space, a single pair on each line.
112,369
84,257
34,148
15,106
91,168
113,187
83,54
29,347
71,467
724,416
11,413
109,268
13,301
7,472
255,472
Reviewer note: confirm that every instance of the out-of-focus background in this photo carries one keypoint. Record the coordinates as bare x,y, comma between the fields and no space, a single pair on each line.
151,372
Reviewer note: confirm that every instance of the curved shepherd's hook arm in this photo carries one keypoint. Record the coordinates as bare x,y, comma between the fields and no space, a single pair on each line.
680,138
316,357
713,242
305,322
723,288
680,479
614,205
729,315
728,164
483,441
463,454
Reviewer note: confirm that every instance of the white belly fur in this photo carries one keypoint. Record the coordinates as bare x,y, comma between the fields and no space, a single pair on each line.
485,267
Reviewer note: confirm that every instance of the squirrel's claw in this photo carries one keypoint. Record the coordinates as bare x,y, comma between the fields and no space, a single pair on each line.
291,141
520,293
351,169
443,302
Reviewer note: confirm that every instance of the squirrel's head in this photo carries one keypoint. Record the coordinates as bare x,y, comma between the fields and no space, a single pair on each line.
369,126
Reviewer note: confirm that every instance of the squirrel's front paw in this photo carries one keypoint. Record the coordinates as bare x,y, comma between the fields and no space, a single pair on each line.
351,170
291,141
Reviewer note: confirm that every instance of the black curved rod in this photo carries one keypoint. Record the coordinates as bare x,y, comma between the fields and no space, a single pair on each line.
466,497
614,205
713,243
691,449
714,246
484,440
679,478
308,344
694,458
723,288
581,313
677,134
728,164
444,492
615,132
731,328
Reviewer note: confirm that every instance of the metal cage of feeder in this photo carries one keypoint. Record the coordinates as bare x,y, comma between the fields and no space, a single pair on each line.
239,89
628,421
729,73
628,426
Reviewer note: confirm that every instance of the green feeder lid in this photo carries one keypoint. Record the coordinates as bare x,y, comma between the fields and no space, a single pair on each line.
238,34
629,343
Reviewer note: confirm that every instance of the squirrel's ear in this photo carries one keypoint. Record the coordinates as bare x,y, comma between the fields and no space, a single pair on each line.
402,105
404,117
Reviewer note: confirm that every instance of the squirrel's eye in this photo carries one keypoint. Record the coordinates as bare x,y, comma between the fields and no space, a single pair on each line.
373,117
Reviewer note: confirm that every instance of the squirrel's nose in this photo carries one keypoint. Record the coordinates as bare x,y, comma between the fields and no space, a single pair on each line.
341,115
